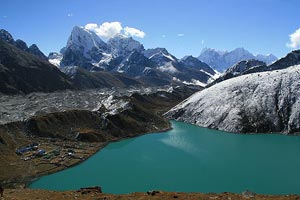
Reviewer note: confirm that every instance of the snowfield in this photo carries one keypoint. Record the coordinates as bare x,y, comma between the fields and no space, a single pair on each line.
260,102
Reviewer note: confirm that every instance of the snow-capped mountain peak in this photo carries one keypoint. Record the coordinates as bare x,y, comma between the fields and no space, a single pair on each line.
159,55
240,52
84,48
55,58
126,55
164,55
192,62
212,51
189,59
269,58
82,38
221,60
122,45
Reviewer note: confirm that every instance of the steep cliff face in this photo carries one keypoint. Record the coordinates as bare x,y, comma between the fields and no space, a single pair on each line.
83,49
260,102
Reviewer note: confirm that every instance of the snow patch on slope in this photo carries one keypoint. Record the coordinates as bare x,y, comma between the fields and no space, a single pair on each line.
55,58
195,82
259,102
169,68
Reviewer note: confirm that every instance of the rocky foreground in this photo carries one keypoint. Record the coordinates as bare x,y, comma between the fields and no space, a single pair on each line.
88,194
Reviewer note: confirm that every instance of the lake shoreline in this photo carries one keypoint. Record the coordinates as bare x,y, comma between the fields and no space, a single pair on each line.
162,130
189,151
98,149
237,133
83,132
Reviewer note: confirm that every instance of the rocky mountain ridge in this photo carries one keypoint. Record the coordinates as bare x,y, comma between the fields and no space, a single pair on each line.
238,69
260,102
123,54
33,49
254,66
22,72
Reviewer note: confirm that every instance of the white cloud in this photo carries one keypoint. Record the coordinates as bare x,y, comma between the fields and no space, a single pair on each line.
129,31
180,34
163,36
294,39
91,27
202,42
110,29
105,30
70,15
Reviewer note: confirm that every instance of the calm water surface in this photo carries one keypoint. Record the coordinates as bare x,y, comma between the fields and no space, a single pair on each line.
188,159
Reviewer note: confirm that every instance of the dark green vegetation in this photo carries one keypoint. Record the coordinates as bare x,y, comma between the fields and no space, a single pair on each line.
80,128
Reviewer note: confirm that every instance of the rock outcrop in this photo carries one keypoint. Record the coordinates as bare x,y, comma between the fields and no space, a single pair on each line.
238,69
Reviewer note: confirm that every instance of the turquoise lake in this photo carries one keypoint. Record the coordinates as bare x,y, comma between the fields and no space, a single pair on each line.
188,159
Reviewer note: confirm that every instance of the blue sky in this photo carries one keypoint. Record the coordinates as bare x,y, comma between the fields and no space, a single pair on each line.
183,27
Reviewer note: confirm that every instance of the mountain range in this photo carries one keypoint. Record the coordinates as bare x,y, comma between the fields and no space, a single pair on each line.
124,55
88,62
222,60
